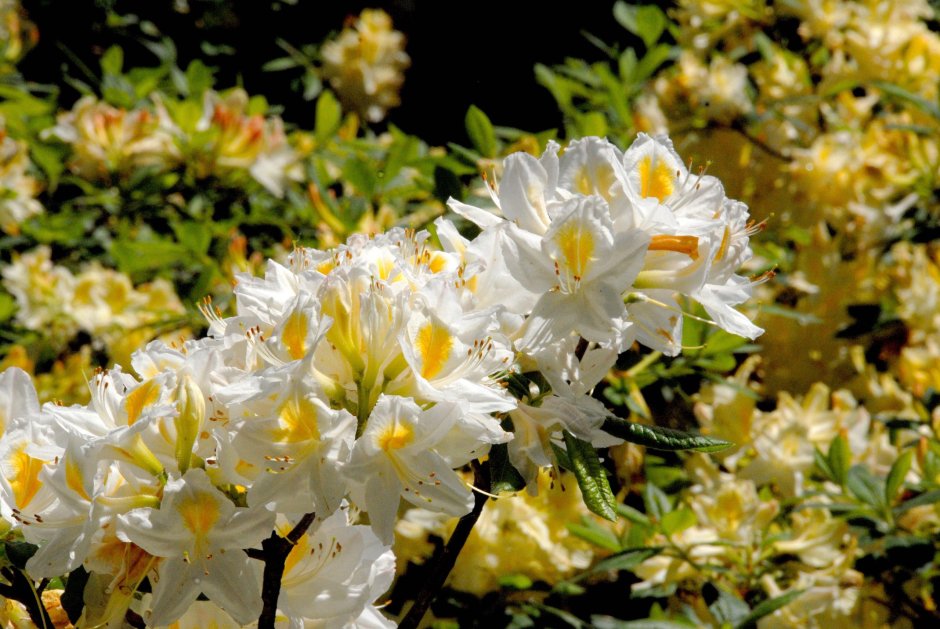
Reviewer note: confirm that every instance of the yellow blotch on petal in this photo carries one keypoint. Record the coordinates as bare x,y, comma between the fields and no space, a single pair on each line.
300,550
298,419
577,247
600,184
437,263
656,179
139,399
396,436
199,515
24,481
73,478
434,344
294,335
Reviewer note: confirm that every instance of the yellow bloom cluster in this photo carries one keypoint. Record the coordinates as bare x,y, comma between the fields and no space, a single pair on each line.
520,535
364,64
99,301
18,189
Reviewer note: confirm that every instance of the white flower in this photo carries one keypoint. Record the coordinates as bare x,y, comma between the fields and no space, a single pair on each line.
396,457
200,534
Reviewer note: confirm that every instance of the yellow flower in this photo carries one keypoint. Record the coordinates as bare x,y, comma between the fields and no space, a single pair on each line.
364,64
108,140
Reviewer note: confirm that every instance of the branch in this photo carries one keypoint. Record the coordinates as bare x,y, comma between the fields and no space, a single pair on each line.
275,550
443,561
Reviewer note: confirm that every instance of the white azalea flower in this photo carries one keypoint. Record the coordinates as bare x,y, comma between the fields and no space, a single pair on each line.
200,534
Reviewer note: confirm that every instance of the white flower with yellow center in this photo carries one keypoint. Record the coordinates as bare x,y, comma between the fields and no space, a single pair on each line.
334,573
288,441
396,457
199,533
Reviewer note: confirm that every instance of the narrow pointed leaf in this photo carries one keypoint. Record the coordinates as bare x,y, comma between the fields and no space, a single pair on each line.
481,131
660,438
899,470
766,608
592,478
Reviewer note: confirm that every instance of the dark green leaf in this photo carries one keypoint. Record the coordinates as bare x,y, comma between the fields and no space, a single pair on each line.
73,600
503,476
481,132
900,93
624,560
18,553
927,498
766,608
592,477
660,438
864,486
724,606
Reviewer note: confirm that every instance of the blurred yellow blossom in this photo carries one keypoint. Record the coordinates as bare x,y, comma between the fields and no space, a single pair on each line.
515,535
107,140
18,189
365,64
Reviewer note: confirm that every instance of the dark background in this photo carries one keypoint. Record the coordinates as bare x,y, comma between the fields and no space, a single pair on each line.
464,53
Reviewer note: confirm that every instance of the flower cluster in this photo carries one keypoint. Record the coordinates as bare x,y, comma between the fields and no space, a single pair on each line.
227,139
364,64
98,301
18,201
365,375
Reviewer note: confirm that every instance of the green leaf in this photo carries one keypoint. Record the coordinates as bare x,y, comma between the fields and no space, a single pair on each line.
727,608
592,477
660,438
135,257
609,622
503,476
624,560
73,600
7,306
18,553
515,581
596,535
361,176
864,486
839,459
628,512
656,501
647,22
927,498
481,132
766,608
902,94
278,65
899,470
194,236
823,464
678,520
328,118
112,61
